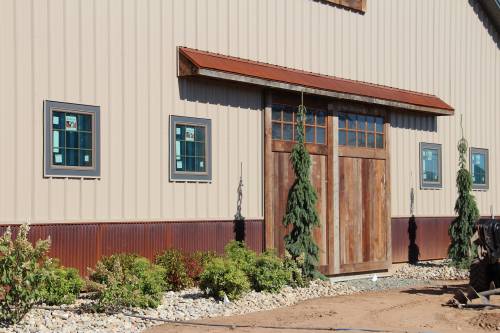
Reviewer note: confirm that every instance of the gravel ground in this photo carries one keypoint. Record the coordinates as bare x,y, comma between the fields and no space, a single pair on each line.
430,270
191,304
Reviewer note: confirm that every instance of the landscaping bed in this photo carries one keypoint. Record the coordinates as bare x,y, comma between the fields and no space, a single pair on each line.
192,304
126,292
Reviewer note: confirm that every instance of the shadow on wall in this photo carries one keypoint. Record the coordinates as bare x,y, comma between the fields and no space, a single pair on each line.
413,249
487,23
218,92
413,121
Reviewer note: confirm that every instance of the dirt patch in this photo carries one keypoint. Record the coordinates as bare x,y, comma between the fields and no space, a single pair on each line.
407,310
487,321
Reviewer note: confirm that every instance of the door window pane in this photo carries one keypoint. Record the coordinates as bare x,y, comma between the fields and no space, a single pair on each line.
320,135
342,137
362,131
277,131
380,141
288,132
351,138
309,134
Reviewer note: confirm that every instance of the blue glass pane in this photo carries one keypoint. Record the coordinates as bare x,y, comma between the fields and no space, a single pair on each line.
58,120
58,157
190,164
72,157
342,121
84,122
380,141
351,138
430,165
361,139
309,118
379,122
199,134
180,164
320,135
200,164
320,118
342,137
86,140
180,148
190,148
277,131
180,132
478,166
351,121
370,140
370,123
58,139
309,134
287,132
200,149
71,139
361,122
85,157
276,113
288,114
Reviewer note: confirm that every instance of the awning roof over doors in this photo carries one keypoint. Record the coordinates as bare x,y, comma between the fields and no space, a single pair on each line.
199,63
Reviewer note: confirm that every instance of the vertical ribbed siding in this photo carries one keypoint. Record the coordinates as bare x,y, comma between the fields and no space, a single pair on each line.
120,54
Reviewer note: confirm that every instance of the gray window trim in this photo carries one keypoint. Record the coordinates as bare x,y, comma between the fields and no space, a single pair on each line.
473,150
424,185
71,172
191,176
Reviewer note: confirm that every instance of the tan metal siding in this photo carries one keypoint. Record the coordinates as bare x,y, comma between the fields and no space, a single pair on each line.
120,54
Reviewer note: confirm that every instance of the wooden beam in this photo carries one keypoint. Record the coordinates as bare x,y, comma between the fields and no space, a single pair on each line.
268,173
387,137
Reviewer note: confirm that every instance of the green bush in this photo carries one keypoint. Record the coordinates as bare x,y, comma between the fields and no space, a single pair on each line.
224,277
127,280
61,286
243,257
269,273
176,274
23,268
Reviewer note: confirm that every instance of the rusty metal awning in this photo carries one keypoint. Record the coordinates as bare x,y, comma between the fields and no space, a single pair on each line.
193,62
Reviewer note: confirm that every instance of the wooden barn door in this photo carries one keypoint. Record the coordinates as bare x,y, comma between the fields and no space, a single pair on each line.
280,174
364,226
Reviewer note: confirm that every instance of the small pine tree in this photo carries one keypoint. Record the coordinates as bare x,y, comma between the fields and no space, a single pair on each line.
461,251
301,207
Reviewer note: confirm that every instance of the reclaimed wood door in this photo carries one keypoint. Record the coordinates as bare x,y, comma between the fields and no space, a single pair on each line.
280,137
283,181
364,192
362,214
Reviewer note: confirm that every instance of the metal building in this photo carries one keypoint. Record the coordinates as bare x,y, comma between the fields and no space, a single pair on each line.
126,125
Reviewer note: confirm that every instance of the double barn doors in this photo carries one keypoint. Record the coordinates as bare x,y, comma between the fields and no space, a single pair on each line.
356,240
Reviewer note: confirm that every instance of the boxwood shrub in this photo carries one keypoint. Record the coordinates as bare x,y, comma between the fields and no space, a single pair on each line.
223,276
269,273
61,286
127,280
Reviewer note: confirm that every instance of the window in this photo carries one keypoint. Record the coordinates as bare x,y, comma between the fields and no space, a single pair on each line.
284,119
357,130
479,168
72,140
190,150
430,166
